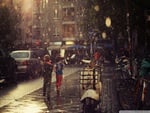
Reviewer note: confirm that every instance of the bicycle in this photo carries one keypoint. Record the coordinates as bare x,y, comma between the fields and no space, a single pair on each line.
141,93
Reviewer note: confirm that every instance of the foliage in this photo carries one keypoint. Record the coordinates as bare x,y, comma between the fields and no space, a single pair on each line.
144,4
8,26
116,10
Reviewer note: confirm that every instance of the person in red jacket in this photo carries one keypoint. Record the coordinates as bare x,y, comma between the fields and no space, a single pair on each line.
59,66
96,57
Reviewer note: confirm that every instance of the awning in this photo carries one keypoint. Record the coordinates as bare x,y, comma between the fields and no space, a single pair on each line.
54,47
77,47
66,46
71,47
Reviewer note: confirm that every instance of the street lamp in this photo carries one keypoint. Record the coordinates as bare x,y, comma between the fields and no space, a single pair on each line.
104,35
94,32
108,22
96,8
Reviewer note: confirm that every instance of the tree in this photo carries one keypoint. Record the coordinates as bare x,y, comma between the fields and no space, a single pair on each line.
9,21
95,18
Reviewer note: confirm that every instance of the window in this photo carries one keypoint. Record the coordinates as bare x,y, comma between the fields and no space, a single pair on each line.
56,13
20,55
68,14
69,30
34,55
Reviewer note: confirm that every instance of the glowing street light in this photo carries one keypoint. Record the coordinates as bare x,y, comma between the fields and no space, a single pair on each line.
108,22
104,35
96,8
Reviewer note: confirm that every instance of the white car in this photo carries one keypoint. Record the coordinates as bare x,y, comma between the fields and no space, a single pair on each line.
28,62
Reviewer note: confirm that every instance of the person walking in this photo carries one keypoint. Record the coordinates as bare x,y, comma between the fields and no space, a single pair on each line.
47,76
96,56
59,75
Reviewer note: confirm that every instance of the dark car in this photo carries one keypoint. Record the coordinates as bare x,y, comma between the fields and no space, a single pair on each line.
7,68
40,52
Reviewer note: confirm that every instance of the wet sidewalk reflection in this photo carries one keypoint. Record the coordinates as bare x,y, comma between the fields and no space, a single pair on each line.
31,103
69,99
66,102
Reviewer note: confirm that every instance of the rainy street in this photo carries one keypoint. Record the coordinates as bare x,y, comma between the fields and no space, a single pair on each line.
68,101
74,56
11,93
23,95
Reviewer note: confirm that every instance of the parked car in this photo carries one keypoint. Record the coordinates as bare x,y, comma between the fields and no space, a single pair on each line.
28,63
7,68
40,52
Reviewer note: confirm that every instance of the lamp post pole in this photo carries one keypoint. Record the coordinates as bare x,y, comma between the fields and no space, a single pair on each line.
130,46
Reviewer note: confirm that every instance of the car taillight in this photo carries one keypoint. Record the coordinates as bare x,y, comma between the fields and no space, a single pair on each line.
26,62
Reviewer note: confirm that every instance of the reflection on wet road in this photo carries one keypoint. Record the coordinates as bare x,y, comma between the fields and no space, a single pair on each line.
34,102
69,99
13,93
31,103
24,88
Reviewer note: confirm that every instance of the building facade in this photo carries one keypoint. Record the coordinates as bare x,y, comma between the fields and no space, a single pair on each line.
63,22
60,26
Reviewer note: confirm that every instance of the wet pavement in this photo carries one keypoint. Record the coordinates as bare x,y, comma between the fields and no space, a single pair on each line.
126,94
31,103
129,96
109,99
14,92
35,102
129,90
69,99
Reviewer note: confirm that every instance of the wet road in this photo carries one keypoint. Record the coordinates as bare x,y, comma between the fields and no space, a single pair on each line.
69,100
31,103
15,92
20,99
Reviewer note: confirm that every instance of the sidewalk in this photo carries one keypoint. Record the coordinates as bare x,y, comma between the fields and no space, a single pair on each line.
24,88
67,102
130,98
109,98
69,99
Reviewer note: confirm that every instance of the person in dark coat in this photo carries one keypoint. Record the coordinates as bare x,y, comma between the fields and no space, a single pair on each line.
47,73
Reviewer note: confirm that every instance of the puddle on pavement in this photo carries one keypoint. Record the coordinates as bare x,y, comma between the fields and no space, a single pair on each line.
61,104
